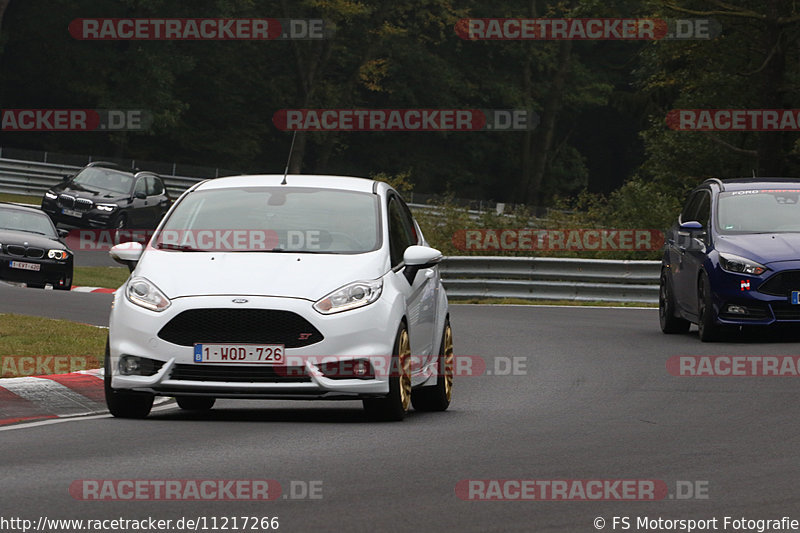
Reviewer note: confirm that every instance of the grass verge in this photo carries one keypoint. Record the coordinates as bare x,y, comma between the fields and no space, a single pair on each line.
21,198
75,346
108,277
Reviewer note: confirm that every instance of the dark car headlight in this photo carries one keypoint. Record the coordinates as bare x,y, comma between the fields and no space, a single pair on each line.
740,265
106,207
58,254
50,196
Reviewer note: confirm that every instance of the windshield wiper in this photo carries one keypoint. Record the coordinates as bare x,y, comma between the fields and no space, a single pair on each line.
179,247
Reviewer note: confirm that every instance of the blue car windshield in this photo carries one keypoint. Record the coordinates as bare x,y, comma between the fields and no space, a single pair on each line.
759,211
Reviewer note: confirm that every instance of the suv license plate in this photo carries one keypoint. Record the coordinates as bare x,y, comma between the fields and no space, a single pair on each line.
71,213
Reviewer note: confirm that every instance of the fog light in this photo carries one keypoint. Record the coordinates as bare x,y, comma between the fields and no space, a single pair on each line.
129,365
360,368
736,310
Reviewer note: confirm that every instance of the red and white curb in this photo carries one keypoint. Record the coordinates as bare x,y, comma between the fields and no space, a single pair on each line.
55,396
75,288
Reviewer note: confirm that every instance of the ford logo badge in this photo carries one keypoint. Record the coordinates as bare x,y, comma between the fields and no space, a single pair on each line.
239,300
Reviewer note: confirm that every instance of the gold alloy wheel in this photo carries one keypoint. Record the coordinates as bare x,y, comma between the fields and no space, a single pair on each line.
404,359
449,363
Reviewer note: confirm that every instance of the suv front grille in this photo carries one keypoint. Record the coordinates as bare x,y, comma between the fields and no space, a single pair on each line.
65,200
782,283
240,374
83,204
256,326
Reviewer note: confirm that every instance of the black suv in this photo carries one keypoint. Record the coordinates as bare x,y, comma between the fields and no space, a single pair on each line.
105,195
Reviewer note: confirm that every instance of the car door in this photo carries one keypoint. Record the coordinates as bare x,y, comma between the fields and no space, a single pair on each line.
157,200
420,293
687,251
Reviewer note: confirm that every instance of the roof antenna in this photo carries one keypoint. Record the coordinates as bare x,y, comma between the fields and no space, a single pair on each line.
285,172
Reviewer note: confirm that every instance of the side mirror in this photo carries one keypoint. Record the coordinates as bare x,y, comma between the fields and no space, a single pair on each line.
127,253
417,258
140,195
62,232
66,177
691,226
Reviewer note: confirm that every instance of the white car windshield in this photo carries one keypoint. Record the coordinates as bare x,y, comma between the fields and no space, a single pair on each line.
759,211
273,219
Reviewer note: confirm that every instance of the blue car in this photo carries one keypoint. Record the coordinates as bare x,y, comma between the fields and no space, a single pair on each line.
733,258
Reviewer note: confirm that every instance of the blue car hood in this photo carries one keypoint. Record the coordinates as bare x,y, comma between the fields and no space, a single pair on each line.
764,248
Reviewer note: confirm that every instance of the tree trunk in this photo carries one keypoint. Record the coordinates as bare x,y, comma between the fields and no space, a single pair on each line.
543,140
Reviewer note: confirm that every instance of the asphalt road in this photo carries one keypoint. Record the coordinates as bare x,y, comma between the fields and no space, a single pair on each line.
594,402
89,308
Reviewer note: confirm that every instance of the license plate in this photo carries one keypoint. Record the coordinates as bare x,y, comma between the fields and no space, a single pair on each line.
71,213
796,297
264,354
25,266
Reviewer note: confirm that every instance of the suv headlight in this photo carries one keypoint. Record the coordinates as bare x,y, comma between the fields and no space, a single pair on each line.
106,207
58,254
142,292
740,265
352,296
50,196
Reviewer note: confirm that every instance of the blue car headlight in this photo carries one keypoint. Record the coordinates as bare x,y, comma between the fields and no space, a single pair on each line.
740,265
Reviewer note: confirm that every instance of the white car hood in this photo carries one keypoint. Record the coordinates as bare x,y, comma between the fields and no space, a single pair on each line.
283,274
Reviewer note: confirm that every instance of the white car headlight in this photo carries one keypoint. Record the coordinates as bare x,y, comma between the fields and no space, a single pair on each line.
106,207
57,254
142,292
50,196
357,294
740,265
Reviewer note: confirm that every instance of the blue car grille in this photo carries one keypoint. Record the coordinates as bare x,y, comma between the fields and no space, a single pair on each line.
782,283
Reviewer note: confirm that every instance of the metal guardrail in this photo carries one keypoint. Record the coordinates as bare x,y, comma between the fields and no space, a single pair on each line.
34,178
536,278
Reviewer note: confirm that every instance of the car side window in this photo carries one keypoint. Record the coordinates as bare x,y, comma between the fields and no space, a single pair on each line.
690,209
703,213
141,187
154,186
401,230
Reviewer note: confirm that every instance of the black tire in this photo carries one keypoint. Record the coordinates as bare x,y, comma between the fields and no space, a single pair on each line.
124,404
195,403
121,222
394,406
670,323
437,397
707,327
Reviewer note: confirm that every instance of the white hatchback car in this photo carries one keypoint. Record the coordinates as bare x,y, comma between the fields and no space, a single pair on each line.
273,287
